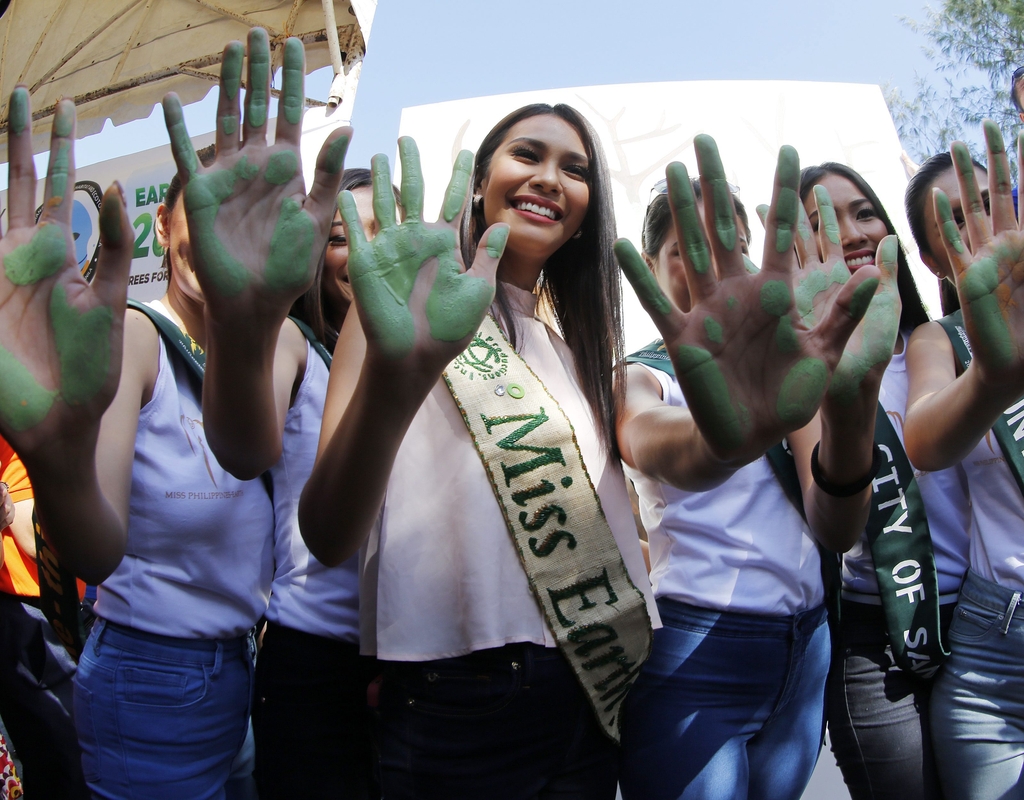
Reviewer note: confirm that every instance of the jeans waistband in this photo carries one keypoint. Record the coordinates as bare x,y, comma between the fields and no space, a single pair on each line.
1004,603
734,623
198,651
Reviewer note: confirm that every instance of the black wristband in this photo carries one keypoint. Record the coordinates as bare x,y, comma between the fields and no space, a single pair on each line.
846,489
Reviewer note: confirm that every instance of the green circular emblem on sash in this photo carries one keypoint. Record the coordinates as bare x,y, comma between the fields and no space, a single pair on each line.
484,358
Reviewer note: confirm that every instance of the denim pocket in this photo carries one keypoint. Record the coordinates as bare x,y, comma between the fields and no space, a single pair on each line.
455,687
970,626
86,728
145,685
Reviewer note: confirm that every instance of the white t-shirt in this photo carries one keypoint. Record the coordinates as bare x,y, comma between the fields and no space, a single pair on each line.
997,512
741,546
307,596
199,557
946,504
441,576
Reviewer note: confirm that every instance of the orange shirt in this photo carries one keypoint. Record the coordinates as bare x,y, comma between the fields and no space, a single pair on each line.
18,574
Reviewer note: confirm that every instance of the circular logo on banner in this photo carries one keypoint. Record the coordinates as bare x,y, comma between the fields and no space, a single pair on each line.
85,225
484,358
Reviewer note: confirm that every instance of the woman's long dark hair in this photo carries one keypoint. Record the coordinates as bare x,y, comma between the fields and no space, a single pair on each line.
581,280
913,313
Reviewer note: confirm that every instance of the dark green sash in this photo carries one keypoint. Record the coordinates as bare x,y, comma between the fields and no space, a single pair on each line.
316,343
908,586
901,548
1007,436
58,596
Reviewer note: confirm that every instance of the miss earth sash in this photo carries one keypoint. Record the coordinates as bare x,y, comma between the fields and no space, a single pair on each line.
529,450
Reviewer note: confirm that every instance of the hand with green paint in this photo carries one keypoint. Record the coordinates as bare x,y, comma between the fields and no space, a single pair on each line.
60,337
255,236
751,368
989,266
416,301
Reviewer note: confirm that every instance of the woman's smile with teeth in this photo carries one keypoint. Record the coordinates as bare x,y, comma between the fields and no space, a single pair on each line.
860,261
534,208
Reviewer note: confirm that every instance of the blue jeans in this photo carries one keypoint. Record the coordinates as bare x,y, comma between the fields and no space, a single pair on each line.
159,717
729,706
878,718
978,699
511,723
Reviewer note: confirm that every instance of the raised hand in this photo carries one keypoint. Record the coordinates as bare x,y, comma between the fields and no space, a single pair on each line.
751,368
60,337
414,297
255,236
990,267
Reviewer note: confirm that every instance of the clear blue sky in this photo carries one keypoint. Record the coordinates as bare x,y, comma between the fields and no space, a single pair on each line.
425,52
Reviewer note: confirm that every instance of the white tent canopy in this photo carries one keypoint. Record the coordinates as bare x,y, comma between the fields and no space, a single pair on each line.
117,58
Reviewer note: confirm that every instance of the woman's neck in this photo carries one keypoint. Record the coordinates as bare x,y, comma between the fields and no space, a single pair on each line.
187,311
519,271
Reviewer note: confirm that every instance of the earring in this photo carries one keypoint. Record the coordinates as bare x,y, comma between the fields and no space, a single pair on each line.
578,234
478,200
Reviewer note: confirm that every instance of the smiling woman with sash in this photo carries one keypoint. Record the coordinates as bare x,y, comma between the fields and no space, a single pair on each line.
909,536
731,703
473,456
966,381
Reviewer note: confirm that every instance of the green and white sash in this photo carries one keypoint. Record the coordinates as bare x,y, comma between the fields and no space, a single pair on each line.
529,450
904,564
1008,436
901,548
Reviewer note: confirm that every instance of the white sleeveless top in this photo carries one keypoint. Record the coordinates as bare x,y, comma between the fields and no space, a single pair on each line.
741,546
997,509
199,558
946,501
441,575
306,595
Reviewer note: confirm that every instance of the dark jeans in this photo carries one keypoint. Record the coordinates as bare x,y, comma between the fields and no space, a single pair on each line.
878,716
36,702
310,717
511,723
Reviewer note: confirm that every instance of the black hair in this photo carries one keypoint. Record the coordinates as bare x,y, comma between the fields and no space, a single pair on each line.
1016,87
580,281
915,201
311,308
913,313
658,219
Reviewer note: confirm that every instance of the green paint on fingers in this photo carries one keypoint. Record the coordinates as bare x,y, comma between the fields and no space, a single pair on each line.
776,298
803,227
862,296
291,248
713,330
889,253
496,241
83,346
731,302
334,157
980,284
110,222
281,168
231,70
58,172
682,199
712,172
456,302
787,205
950,229
750,266
42,257
229,124
802,390
64,119
181,145
827,213
294,73
710,401
840,273
458,187
259,77
762,210
640,277
19,115
23,402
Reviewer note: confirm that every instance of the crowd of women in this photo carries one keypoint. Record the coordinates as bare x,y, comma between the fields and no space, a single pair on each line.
424,499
